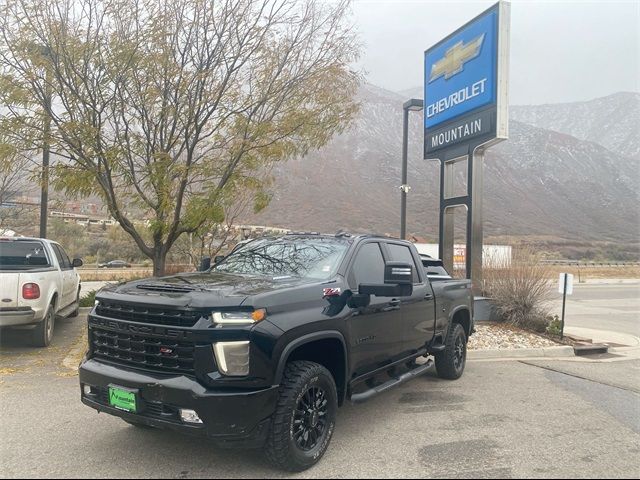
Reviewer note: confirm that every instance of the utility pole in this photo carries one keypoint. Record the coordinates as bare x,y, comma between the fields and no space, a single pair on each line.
44,186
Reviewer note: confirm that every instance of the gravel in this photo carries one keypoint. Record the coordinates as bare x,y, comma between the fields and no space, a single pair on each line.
497,336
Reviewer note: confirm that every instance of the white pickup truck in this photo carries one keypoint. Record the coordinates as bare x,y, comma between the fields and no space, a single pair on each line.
38,283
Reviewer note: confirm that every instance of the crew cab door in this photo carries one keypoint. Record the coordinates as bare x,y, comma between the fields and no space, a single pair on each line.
69,276
418,310
376,331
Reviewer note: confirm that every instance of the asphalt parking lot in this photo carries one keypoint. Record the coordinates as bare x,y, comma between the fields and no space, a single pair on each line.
544,418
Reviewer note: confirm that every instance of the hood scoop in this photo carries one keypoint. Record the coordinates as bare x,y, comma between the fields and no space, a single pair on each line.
164,287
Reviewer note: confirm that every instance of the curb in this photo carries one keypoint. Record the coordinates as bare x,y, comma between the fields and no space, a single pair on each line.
604,336
546,352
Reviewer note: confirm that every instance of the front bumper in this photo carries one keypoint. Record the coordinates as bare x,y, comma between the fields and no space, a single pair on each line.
232,418
11,317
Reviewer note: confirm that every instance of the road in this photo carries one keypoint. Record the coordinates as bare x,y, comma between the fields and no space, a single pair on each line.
564,418
613,307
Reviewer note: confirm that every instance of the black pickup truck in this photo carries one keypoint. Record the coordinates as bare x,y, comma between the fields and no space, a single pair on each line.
261,349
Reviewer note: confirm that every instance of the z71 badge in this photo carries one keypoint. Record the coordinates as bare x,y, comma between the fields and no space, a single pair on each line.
331,292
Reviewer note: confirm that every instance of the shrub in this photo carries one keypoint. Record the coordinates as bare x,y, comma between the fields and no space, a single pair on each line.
520,289
555,326
89,299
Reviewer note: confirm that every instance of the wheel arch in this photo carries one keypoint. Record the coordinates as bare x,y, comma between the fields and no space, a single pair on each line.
314,347
55,299
461,315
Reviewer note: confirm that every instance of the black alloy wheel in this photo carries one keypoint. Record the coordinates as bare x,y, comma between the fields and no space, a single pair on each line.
305,417
310,419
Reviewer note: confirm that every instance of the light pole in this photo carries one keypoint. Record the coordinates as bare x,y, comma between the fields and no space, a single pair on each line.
414,105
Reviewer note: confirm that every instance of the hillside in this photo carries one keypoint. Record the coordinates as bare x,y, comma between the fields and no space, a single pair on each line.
540,182
612,121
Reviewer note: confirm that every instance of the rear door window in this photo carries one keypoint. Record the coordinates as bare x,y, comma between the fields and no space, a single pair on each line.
62,257
402,253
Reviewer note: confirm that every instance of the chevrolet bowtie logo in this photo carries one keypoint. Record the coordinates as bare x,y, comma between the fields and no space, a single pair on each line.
455,58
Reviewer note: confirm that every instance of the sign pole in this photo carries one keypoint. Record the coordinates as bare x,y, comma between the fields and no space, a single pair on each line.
564,301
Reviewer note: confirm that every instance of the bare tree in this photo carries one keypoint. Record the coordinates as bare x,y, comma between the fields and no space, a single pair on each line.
164,108
15,172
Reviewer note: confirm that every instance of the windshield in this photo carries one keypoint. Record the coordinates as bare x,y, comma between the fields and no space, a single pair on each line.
22,255
312,258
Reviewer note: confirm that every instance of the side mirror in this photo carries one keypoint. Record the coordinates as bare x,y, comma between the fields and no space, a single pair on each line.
77,262
205,264
398,281
218,258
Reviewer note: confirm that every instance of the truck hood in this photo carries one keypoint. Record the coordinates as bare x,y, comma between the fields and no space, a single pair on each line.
200,289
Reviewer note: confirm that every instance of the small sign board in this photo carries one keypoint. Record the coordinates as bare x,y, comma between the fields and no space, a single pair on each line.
569,280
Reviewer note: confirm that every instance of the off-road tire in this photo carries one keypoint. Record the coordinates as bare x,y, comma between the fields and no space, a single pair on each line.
42,335
451,361
282,448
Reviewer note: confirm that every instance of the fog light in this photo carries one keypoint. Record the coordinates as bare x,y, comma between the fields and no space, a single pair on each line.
189,416
232,358
86,389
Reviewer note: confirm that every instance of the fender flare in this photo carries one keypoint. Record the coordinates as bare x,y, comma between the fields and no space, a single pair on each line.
309,338
453,313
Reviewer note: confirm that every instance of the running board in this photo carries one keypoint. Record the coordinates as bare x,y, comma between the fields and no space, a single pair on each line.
394,382
64,312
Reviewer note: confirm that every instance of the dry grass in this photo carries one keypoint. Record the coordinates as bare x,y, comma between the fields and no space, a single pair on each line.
520,289
585,273
87,275
126,274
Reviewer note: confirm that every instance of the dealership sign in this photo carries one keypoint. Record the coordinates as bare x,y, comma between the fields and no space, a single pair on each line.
465,97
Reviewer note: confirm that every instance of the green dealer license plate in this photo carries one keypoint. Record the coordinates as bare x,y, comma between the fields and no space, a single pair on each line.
122,399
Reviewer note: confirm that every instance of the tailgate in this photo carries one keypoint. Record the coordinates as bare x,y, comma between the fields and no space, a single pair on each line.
9,284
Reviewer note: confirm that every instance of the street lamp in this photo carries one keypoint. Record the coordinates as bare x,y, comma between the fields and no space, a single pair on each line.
413,105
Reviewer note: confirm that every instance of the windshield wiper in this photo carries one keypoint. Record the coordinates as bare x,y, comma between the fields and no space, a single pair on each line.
183,279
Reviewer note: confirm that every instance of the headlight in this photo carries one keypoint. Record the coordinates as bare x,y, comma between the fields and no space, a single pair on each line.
238,318
232,358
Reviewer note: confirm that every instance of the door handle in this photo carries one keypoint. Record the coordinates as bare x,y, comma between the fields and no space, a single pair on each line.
428,296
392,305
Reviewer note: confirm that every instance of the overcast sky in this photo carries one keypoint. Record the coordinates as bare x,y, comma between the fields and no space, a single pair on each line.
561,51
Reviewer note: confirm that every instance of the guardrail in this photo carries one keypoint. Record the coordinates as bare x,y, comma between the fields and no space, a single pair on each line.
582,263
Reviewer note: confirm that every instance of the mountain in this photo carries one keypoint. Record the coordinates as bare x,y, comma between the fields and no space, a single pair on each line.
612,121
540,182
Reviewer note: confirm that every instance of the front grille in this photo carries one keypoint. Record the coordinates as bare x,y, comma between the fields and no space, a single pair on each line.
154,316
147,409
138,350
